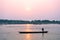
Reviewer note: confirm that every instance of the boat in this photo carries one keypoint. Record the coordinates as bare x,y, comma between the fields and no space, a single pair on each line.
35,32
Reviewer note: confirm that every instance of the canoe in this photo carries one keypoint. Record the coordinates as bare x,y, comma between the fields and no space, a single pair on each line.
35,32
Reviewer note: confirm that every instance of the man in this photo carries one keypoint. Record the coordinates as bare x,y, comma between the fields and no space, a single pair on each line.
42,29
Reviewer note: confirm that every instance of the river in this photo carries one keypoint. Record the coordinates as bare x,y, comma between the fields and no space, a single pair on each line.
11,32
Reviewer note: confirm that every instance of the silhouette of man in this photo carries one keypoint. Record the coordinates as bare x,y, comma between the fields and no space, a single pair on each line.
42,29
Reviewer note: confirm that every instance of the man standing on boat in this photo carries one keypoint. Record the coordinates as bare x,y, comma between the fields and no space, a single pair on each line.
42,29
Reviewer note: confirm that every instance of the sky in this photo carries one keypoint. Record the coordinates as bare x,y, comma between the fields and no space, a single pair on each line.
30,9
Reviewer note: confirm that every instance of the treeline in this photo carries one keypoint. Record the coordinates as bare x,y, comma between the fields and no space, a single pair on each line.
28,22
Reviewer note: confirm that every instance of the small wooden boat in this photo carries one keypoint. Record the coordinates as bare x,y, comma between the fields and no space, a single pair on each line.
35,32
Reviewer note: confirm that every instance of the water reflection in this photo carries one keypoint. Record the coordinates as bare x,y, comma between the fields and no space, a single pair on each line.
9,32
28,28
33,36
28,36
42,36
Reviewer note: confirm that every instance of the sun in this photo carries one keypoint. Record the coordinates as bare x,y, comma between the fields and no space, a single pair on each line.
28,9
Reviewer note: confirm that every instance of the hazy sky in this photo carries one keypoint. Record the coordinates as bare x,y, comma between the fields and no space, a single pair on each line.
30,9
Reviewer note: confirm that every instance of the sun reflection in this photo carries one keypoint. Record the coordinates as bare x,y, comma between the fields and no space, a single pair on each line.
28,26
28,36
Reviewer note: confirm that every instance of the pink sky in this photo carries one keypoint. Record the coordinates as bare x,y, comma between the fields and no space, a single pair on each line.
30,9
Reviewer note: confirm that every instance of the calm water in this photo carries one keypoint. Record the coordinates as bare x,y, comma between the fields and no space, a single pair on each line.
10,32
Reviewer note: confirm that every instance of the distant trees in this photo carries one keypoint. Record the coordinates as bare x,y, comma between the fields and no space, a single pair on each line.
28,22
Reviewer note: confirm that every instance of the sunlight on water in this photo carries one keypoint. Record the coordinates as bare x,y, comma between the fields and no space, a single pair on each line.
28,36
28,27
11,32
